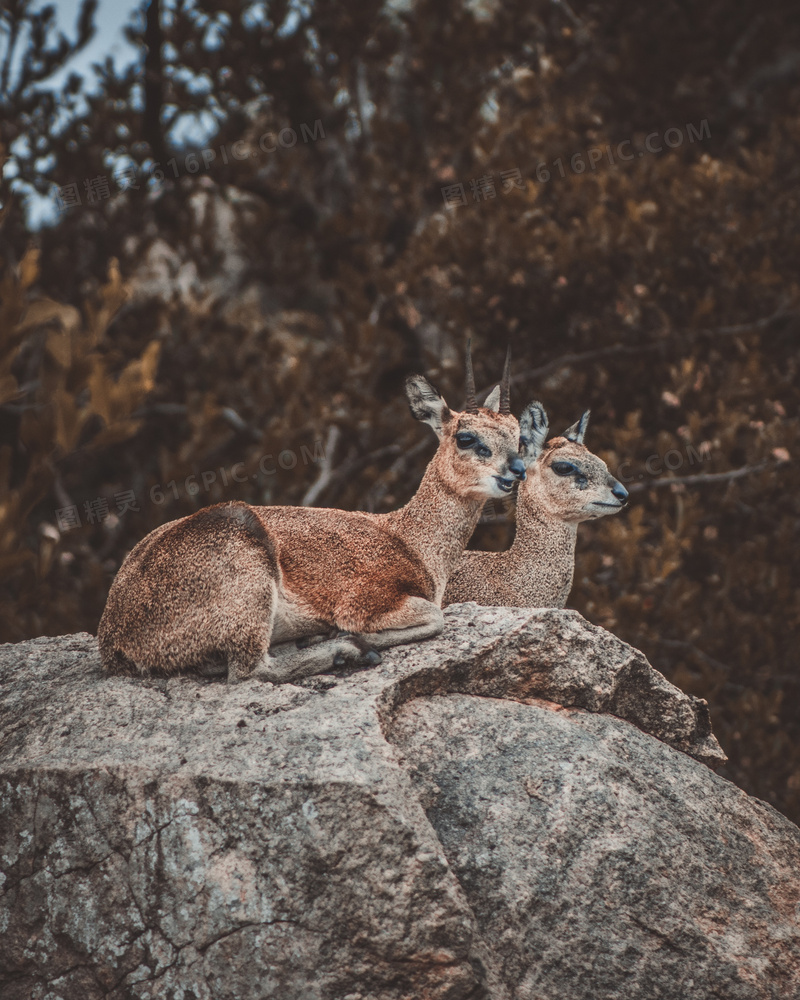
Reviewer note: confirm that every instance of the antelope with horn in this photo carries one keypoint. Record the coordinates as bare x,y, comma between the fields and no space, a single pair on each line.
257,591
566,484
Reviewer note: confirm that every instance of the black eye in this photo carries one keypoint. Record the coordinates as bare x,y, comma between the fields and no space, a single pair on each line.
563,468
465,439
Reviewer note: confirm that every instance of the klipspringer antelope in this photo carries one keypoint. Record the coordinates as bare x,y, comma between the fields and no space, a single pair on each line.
566,484
212,592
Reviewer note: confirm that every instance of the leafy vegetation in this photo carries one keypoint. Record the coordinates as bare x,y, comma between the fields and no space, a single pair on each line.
202,328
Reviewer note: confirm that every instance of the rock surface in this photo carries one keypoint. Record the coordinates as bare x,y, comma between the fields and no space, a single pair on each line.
436,827
600,864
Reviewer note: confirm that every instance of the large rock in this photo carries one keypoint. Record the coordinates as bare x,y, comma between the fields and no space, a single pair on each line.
437,827
599,863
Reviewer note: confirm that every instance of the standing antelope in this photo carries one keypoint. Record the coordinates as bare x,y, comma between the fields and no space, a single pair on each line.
566,484
213,591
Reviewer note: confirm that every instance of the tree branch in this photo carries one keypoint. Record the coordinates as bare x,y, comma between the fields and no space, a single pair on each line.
571,359
326,468
13,34
380,489
154,83
691,648
616,350
705,478
756,324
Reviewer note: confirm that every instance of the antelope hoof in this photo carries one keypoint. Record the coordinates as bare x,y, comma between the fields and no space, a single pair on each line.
370,657
306,641
361,655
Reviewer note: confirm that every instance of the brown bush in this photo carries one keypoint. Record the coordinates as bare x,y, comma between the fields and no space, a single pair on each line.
285,295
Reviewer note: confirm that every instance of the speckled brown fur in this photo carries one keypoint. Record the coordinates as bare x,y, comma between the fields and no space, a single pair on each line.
203,617
537,571
217,589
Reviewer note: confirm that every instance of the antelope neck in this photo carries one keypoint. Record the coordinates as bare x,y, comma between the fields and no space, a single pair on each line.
537,529
437,523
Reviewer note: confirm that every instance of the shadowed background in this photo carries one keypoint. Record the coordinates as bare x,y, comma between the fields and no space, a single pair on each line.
610,187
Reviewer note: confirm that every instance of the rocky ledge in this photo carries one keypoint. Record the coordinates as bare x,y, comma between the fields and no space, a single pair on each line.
521,808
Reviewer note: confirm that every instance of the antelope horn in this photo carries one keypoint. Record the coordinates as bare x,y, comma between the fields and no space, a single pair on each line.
471,405
505,385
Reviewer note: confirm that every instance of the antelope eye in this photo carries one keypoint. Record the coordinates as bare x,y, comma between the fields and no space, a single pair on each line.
465,439
563,468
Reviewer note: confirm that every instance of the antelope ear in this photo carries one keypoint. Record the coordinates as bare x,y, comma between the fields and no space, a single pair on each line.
492,401
427,403
578,429
533,428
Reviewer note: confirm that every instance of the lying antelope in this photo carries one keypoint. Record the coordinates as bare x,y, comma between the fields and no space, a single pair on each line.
566,484
212,592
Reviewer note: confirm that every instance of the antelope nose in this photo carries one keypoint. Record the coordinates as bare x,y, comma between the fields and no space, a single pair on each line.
620,492
517,467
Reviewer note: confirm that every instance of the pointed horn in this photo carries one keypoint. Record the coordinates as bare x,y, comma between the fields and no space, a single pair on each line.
505,385
471,405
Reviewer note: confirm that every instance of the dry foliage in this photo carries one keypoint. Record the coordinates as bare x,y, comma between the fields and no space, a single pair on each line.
278,300
55,381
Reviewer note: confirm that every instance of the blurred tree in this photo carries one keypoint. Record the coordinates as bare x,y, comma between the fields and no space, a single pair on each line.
152,129
31,52
614,188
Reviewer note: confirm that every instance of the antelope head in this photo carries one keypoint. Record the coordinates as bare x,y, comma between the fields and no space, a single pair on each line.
478,454
569,481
